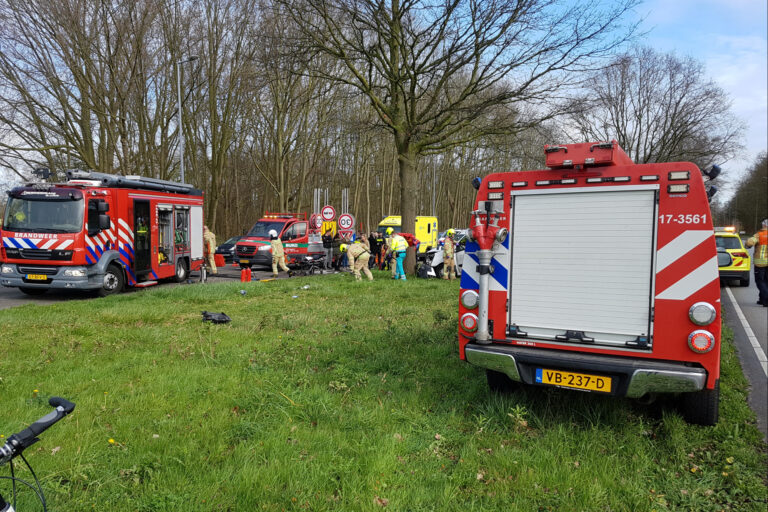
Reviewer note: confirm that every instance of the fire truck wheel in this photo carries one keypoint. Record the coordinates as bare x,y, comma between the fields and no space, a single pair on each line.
181,270
113,281
33,291
701,407
499,382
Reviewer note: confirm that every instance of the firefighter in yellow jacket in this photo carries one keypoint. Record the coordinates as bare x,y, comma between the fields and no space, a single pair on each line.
449,251
278,254
760,260
359,254
209,246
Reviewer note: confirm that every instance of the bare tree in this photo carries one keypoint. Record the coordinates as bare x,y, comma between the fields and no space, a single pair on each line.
433,70
660,108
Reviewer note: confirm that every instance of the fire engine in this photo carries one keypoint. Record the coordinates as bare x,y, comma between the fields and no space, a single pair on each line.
299,240
100,232
597,274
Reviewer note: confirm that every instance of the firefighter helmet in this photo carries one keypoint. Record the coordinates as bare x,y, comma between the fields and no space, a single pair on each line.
450,232
390,230
273,233
343,247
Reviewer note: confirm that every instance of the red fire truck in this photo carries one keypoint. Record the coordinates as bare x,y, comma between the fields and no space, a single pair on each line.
299,240
598,275
100,232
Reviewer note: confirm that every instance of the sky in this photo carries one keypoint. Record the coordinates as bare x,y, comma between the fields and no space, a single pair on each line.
730,37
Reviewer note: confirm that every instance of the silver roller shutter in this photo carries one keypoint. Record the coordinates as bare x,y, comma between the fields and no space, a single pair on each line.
582,261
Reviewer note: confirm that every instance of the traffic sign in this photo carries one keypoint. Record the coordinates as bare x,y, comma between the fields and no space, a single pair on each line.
329,226
315,221
328,212
347,233
346,222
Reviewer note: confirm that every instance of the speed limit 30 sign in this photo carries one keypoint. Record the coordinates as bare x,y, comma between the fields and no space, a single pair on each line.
346,221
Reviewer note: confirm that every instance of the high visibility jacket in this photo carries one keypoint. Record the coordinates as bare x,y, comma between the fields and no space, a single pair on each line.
760,241
399,243
277,248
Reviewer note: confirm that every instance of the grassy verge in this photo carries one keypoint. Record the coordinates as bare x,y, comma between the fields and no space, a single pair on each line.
343,396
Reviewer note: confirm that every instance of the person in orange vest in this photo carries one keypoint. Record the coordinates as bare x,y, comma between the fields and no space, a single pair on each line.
760,260
278,254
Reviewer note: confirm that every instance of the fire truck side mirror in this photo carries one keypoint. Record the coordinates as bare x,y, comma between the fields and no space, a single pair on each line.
103,206
104,221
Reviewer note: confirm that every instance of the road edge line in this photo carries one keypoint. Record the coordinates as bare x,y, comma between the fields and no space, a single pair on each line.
762,359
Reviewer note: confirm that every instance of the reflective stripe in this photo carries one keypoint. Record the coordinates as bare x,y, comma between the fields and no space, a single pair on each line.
692,282
678,247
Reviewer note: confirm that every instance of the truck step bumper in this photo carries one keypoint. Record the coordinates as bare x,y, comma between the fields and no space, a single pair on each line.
635,377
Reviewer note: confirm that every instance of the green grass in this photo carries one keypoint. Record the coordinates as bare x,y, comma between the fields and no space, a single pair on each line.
349,397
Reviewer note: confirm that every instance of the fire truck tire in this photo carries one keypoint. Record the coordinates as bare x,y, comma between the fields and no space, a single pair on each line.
744,281
33,291
701,407
113,282
499,382
181,270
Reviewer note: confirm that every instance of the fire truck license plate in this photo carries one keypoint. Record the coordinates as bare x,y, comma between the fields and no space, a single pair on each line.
37,277
573,380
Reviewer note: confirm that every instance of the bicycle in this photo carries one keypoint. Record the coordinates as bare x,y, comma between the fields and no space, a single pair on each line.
20,441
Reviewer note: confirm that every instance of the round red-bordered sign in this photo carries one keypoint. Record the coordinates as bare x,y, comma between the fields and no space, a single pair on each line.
328,212
315,221
346,222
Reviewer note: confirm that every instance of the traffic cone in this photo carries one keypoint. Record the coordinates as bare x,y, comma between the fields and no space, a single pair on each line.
250,274
244,275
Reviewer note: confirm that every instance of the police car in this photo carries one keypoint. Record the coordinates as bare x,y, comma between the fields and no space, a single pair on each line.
741,264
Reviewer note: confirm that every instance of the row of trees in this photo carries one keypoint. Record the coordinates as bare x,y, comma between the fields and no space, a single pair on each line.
749,204
400,101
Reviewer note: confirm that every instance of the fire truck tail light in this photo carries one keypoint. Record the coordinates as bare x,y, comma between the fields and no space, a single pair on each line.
701,341
470,299
468,322
702,313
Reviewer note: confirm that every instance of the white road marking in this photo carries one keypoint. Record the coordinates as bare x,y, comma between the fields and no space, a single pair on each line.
751,335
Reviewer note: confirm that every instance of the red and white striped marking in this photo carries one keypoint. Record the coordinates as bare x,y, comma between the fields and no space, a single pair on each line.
684,265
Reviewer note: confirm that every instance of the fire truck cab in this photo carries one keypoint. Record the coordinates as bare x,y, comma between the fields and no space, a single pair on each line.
597,275
100,232
299,240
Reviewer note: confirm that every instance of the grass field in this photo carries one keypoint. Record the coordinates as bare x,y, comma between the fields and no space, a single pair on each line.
344,396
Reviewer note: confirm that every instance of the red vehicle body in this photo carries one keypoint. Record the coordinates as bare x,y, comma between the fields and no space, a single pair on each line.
100,232
299,241
596,274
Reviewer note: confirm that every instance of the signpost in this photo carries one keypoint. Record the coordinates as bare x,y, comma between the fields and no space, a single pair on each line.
328,213
346,222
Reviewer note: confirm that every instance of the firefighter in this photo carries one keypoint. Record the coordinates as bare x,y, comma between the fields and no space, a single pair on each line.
209,246
359,255
449,251
760,260
142,234
328,248
278,254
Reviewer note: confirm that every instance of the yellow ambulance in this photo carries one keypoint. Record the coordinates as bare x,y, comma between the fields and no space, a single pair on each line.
425,230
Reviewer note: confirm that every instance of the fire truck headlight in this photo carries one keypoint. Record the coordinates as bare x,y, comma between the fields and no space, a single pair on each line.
75,272
702,313
468,322
701,341
7,269
470,299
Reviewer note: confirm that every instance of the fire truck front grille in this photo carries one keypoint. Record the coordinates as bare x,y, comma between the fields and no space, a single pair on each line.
48,271
35,254
245,250
39,254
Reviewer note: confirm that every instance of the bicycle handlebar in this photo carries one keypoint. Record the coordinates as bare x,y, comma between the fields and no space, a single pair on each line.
18,442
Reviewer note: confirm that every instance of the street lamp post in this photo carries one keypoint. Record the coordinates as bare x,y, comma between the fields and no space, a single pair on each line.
181,126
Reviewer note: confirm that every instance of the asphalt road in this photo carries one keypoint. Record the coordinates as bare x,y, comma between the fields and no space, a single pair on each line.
749,323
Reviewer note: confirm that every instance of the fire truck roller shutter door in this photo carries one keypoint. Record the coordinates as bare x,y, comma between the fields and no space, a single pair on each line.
196,232
582,261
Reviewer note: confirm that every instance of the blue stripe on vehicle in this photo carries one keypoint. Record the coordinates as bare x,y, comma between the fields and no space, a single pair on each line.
93,253
88,260
154,275
30,243
538,376
128,257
